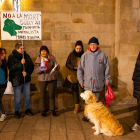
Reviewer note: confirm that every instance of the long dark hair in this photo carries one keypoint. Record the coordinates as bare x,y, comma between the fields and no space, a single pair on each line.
78,43
4,62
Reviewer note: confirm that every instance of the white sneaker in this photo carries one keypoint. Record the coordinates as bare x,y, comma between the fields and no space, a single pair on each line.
135,127
3,117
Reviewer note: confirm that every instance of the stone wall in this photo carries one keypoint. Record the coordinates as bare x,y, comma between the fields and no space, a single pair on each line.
66,21
127,42
115,23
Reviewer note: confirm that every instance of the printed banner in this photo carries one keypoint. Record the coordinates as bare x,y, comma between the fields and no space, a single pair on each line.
20,25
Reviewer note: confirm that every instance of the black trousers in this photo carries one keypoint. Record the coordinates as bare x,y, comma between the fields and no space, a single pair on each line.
138,107
51,91
1,95
76,89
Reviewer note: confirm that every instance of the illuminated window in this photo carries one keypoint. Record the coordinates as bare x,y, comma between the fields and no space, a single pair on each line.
16,5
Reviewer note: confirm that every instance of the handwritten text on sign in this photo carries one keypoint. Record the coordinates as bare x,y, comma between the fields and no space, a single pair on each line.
21,25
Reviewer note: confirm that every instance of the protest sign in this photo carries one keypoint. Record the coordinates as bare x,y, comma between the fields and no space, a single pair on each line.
20,25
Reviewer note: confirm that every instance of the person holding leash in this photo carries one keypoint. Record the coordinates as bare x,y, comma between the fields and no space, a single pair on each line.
93,70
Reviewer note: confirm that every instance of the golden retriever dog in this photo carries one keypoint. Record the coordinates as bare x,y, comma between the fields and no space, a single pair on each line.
99,115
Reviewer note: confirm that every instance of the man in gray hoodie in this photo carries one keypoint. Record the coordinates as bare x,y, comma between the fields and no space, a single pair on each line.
93,69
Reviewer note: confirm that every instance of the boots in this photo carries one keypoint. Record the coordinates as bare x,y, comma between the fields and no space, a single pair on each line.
17,115
77,107
54,113
43,114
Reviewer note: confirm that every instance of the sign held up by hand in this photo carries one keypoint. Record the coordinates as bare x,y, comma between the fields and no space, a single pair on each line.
21,25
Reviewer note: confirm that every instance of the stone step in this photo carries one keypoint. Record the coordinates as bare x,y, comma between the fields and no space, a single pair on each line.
116,92
119,100
63,100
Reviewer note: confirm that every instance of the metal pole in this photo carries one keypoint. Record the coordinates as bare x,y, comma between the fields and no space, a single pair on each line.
16,8
16,5
23,58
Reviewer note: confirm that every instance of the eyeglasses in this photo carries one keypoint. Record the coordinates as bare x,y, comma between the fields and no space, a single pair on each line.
23,48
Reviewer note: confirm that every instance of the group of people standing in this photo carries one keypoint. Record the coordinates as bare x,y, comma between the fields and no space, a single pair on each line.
20,70
86,71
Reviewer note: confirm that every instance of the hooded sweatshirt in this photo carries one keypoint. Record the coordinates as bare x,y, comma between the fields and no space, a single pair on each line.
93,70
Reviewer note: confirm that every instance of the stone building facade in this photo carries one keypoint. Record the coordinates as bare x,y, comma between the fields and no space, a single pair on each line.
116,23
127,43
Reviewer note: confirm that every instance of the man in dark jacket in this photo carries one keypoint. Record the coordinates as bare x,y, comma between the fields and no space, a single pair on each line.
136,90
20,70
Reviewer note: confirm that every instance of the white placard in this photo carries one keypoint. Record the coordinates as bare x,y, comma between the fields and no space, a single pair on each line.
21,25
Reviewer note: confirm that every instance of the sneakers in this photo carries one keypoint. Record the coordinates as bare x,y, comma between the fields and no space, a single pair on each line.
135,127
17,115
28,112
3,117
85,119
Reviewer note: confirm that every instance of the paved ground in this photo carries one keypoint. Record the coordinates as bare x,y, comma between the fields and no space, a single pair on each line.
66,126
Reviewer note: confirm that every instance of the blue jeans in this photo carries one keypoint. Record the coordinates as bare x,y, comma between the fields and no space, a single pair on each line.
26,93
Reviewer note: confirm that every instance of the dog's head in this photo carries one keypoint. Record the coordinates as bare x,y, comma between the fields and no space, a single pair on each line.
88,96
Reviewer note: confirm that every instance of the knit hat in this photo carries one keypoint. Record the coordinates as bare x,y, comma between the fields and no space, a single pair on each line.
93,40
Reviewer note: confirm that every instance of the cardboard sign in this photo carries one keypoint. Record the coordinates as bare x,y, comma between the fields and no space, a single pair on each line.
20,25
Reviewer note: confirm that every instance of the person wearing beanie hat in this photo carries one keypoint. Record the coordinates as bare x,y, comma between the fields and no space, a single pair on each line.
93,70
72,65
93,40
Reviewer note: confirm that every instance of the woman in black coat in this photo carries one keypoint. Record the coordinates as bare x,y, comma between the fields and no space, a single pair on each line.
136,90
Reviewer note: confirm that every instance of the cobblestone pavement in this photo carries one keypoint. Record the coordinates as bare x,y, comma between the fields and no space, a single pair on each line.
66,126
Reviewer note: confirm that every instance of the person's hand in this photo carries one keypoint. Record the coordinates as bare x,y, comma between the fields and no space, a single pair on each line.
55,65
75,68
106,83
24,73
23,61
82,85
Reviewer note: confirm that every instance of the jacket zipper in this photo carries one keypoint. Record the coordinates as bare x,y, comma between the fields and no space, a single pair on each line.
93,82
